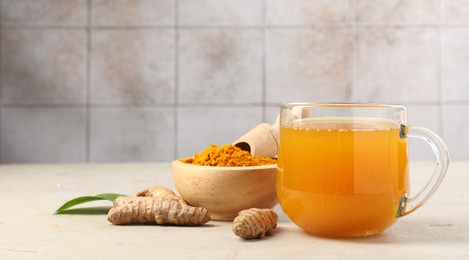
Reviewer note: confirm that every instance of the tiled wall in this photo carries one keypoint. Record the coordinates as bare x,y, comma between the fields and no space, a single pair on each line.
155,80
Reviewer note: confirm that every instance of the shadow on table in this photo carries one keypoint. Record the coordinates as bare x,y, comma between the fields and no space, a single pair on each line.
415,232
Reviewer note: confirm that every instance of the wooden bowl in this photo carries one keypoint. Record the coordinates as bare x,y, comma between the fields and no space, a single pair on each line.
225,191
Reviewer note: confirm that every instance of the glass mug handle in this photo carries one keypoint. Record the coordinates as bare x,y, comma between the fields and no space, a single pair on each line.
410,204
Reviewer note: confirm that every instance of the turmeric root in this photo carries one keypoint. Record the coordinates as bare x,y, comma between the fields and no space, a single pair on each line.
161,192
255,223
156,210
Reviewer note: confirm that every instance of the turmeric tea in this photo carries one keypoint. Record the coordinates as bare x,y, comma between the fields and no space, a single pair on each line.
227,155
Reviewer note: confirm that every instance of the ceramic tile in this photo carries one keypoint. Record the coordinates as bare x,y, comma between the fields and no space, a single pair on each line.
227,71
304,12
406,11
215,12
220,66
271,113
44,12
198,127
130,12
43,67
455,78
132,134
43,135
307,65
396,65
1,150
132,67
455,11
456,131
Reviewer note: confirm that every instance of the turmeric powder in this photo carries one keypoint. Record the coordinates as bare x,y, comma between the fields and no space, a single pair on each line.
227,155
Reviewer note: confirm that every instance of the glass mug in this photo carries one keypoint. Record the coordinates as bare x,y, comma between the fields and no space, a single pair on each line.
343,168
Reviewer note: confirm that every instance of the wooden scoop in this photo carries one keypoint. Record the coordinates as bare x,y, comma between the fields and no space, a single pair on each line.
262,140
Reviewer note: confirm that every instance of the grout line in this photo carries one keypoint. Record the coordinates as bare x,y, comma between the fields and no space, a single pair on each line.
185,27
176,80
148,105
441,98
81,27
264,63
352,63
235,27
1,82
88,85
207,105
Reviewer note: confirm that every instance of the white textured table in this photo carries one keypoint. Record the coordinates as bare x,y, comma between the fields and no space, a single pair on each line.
29,194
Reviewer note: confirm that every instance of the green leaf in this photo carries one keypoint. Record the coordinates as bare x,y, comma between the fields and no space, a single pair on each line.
86,211
84,199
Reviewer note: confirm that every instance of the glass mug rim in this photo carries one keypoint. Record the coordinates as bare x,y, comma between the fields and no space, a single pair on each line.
341,105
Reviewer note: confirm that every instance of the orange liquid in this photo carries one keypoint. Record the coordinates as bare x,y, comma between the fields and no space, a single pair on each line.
342,177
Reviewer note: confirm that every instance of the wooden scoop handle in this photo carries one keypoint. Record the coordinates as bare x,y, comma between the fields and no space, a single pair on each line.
262,140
